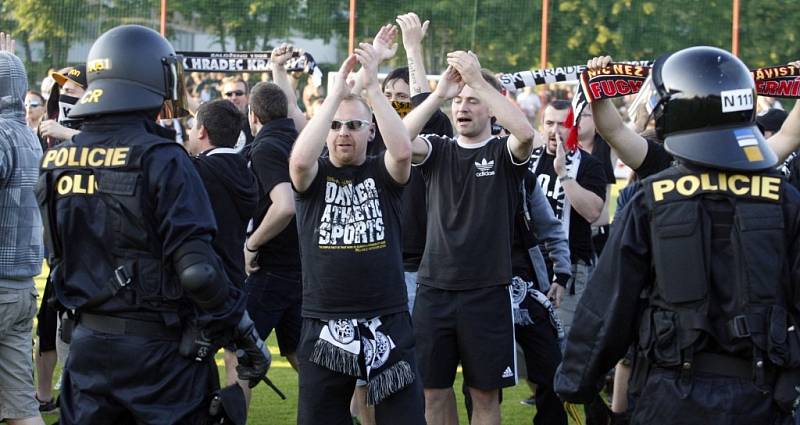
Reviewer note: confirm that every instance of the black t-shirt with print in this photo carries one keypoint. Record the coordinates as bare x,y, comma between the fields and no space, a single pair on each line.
591,177
602,152
349,225
472,194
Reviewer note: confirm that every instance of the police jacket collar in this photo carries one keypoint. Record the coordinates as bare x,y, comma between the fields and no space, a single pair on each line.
141,119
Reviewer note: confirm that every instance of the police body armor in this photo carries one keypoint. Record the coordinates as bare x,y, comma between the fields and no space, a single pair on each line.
100,233
693,218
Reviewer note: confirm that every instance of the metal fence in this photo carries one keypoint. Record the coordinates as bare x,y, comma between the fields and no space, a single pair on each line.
508,35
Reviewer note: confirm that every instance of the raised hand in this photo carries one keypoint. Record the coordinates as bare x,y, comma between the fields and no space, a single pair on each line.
385,42
341,87
450,84
598,62
7,44
413,31
281,54
560,161
369,58
467,65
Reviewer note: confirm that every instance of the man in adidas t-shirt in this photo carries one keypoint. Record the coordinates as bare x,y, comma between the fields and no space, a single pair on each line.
463,306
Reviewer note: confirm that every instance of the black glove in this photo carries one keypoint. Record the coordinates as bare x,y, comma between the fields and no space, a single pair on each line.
254,358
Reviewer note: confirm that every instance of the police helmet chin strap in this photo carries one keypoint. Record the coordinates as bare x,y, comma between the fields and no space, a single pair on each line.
173,70
171,77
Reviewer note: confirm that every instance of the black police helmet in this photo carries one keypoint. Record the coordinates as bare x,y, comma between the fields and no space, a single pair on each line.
705,110
130,68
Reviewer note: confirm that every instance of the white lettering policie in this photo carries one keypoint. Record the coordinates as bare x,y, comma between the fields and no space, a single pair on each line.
352,218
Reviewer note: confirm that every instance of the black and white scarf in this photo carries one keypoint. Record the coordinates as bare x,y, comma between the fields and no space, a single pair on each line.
342,341
520,289
573,161
627,78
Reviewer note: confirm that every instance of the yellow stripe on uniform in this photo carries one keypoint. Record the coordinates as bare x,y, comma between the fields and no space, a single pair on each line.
753,153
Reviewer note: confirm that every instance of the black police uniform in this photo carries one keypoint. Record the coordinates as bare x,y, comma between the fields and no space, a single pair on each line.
698,316
120,200
129,227
700,272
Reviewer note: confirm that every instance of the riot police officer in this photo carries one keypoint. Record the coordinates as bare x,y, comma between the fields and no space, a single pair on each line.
703,269
129,229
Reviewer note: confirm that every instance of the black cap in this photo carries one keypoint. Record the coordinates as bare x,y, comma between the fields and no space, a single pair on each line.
76,74
771,120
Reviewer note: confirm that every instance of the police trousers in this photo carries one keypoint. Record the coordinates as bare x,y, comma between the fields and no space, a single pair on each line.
705,399
126,379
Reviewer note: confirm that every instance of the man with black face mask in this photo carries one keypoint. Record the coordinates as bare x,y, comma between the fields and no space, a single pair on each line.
70,86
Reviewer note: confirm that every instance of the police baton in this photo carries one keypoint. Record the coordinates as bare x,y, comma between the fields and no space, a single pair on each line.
240,356
274,387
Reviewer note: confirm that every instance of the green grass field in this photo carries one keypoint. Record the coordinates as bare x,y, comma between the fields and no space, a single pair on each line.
268,409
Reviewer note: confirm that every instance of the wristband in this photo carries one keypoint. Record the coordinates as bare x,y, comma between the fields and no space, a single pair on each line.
248,249
564,178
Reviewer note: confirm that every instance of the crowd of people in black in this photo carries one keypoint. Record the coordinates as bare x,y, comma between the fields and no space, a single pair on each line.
389,240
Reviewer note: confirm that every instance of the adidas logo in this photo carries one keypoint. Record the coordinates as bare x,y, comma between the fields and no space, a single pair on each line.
484,168
508,373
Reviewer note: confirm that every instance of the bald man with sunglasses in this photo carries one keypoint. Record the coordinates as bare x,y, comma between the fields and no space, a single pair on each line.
355,314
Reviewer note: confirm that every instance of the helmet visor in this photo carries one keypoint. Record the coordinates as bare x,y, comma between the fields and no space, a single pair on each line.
644,101
175,104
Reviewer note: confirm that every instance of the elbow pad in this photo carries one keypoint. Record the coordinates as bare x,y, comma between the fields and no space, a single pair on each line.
200,274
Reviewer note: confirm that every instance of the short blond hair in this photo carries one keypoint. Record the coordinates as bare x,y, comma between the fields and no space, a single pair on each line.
233,79
358,99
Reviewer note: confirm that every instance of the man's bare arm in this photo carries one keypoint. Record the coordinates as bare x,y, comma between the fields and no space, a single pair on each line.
631,147
787,139
395,135
413,32
303,165
281,78
449,86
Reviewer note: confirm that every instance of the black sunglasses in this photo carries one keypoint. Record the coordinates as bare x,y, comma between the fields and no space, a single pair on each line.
236,93
351,125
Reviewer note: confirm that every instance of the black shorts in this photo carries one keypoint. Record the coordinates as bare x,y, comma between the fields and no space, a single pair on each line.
325,395
473,327
47,320
274,302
